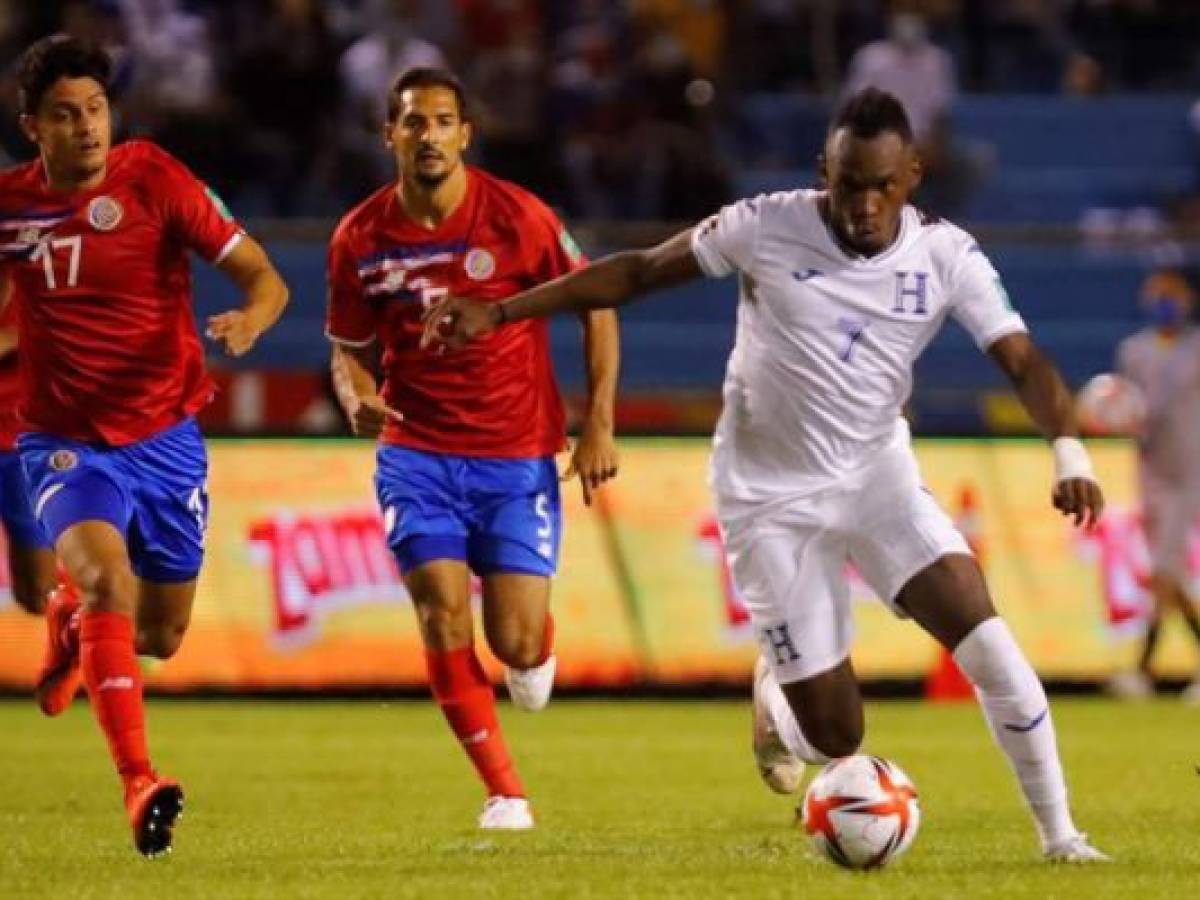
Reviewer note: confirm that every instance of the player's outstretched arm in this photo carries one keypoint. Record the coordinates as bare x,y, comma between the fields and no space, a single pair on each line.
266,296
1045,396
354,382
613,281
594,458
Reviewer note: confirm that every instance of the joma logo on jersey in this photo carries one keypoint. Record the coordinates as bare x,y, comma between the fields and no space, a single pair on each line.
912,289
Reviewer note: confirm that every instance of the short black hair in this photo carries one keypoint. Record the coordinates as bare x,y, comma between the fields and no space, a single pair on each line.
423,77
54,57
871,112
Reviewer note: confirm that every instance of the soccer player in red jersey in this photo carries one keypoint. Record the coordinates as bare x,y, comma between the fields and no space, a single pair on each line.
95,240
30,557
466,475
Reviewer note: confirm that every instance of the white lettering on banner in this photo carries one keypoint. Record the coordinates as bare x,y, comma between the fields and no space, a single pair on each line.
323,561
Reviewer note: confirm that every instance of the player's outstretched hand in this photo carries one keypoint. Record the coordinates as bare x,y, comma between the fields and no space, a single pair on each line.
370,414
457,321
1081,498
234,330
594,460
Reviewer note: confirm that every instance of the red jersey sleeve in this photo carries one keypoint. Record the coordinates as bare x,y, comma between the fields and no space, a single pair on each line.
557,252
350,318
193,212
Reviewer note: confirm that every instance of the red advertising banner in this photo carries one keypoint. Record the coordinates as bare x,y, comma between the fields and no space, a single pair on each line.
299,591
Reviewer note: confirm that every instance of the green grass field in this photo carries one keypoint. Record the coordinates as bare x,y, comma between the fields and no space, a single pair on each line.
635,799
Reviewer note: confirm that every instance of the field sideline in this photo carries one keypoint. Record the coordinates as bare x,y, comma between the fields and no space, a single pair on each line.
635,799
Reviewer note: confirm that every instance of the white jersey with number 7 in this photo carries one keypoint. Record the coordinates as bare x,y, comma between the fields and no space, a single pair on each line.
826,340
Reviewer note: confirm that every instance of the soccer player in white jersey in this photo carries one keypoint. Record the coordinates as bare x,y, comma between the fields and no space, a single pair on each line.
840,290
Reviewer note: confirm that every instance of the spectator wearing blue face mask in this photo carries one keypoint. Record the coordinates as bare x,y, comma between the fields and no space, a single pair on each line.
1163,361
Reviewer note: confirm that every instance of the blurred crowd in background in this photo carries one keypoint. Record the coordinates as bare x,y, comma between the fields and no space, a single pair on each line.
611,109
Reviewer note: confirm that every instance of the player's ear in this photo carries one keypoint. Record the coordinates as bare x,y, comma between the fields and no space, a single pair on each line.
916,169
28,125
467,134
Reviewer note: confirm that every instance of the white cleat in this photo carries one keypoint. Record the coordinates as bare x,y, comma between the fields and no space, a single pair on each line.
781,769
506,814
530,689
1075,850
1131,685
1191,694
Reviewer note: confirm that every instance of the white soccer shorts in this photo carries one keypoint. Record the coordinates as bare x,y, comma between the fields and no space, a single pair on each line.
789,557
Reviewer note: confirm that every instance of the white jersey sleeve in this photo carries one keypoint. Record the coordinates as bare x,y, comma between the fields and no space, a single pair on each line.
725,242
979,302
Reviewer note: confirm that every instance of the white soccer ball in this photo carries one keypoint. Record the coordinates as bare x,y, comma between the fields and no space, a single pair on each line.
1110,405
861,812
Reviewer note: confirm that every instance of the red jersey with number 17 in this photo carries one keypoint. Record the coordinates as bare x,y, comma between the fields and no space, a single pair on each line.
10,388
103,292
496,397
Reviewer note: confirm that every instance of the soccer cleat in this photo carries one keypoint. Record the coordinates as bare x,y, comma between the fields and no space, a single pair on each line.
506,814
530,689
59,678
1191,694
154,805
1074,849
1131,685
781,769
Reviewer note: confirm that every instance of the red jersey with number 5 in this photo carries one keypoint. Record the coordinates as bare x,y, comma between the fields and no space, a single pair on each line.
497,397
103,292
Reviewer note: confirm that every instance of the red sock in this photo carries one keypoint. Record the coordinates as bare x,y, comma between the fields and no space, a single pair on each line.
114,684
547,640
465,695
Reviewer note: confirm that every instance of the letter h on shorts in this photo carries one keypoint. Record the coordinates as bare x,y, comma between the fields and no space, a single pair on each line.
779,641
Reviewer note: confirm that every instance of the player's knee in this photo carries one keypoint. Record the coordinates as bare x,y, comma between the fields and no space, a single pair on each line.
161,641
109,588
444,625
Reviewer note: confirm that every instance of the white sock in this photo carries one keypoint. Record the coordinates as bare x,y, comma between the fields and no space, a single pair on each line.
1015,706
786,725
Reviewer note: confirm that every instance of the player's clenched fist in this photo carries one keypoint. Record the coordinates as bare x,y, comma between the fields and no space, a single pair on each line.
457,321
1080,498
369,414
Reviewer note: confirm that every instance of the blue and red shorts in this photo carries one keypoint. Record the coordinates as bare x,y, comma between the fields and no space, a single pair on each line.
153,492
497,515
16,509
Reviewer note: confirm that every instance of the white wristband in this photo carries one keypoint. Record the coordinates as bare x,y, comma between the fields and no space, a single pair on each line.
1071,460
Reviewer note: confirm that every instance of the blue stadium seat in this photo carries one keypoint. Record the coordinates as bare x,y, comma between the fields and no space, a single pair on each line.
1055,157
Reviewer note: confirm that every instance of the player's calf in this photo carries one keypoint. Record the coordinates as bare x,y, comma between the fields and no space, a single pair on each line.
161,643
827,708
1018,714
